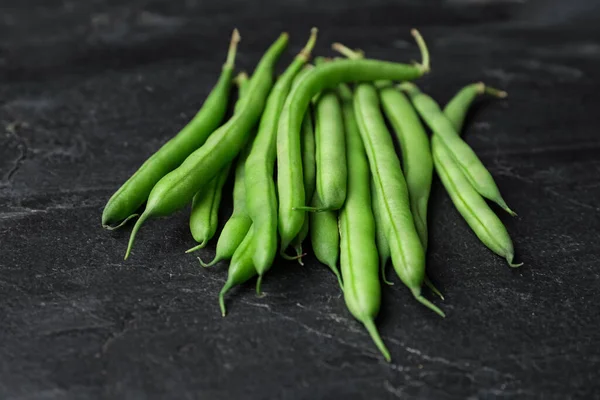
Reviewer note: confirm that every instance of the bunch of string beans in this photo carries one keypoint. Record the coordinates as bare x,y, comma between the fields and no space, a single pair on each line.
338,179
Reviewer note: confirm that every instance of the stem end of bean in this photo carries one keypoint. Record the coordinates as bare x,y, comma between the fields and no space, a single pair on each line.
235,39
347,52
419,297
134,232
198,247
376,337
112,228
425,63
308,48
501,94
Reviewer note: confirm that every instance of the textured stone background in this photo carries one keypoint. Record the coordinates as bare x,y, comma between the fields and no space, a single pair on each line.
89,89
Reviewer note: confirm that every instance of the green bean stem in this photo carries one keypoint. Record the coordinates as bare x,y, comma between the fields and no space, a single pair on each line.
122,206
177,188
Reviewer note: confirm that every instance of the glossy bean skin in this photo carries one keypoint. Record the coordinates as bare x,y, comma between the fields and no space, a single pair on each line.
309,169
407,253
177,188
261,197
238,224
125,202
417,162
325,237
469,203
358,251
330,151
474,170
241,269
204,217
383,248
328,75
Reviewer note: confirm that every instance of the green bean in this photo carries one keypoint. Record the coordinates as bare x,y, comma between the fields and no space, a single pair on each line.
408,256
309,168
416,154
261,198
204,217
473,208
177,188
124,203
327,76
358,258
239,222
474,170
241,269
325,237
330,151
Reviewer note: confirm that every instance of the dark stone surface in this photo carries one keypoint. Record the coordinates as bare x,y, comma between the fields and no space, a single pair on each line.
89,89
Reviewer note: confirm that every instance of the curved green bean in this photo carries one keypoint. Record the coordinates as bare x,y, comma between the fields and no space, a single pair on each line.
474,170
177,188
204,217
124,203
408,256
261,198
358,251
326,76
417,163
469,203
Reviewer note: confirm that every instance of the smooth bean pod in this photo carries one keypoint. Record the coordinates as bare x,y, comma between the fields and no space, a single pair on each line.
289,156
309,168
474,170
177,188
330,153
261,198
358,251
469,203
124,203
204,217
383,247
417,163
408,256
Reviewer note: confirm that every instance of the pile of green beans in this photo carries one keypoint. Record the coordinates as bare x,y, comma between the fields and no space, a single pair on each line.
314,161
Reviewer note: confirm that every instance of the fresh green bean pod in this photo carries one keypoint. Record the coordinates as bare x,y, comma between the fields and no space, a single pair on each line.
204,217
329,75
469,203
474,170
358,251
239,222
261,197
332,172
309,168
177,188
383,247
408,255
123,205
417,163
241,269
325,237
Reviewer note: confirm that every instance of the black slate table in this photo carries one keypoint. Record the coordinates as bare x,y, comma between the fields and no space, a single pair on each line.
89,89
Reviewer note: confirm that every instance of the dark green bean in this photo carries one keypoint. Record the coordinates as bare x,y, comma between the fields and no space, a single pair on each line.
122,206
177,188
